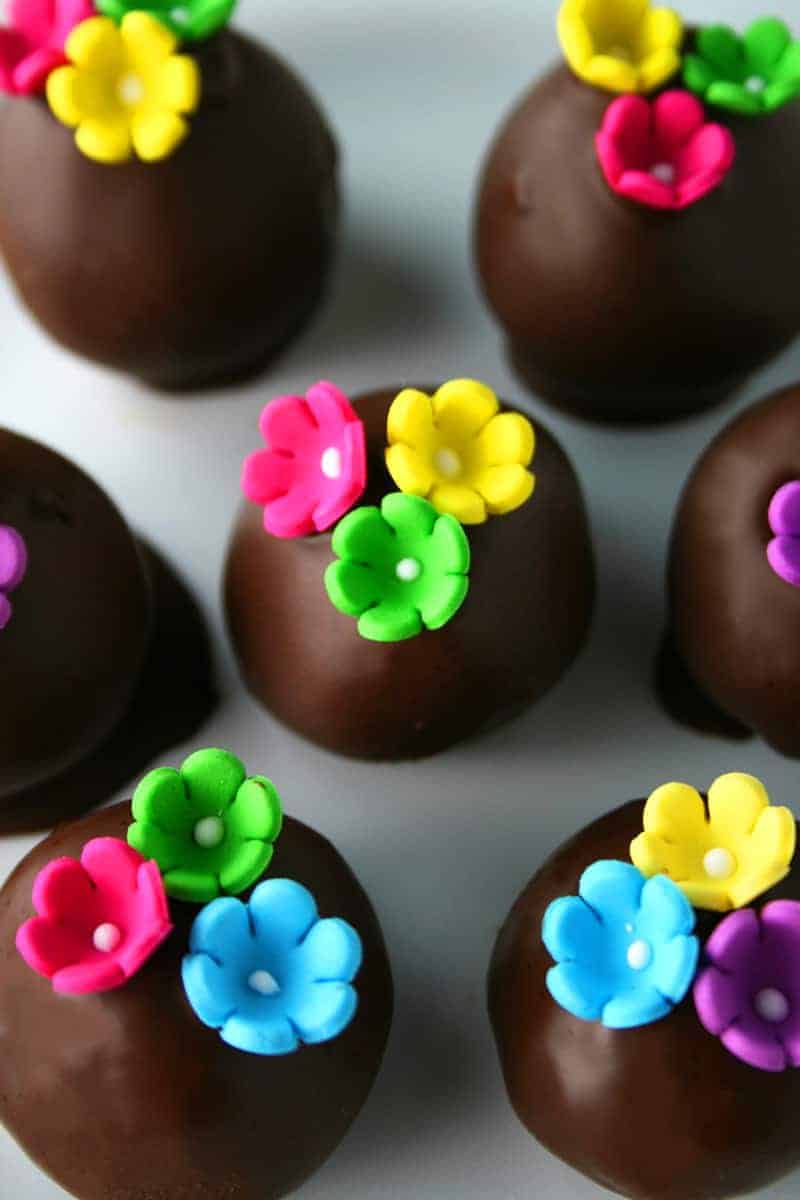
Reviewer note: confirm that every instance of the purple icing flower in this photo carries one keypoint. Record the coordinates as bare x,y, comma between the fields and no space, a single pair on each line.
13,565
783,551
749,994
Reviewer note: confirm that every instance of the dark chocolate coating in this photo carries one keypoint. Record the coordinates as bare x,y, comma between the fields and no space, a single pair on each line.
663,1112
193,271
105,660
525,618
127,1096
615,311
734,623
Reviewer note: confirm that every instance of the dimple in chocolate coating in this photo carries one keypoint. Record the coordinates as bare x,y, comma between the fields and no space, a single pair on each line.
193,271
618,312
127,1096
734,623
662,1112
525,618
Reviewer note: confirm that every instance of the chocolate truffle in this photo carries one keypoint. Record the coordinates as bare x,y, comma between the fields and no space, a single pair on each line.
486,653
189,271
618,310
159,1104
663,1111
105,656
734,618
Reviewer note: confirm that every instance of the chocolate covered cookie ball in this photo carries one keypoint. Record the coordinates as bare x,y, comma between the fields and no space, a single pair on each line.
634,231
400,626
167,211
189,1051
104,655
647,1012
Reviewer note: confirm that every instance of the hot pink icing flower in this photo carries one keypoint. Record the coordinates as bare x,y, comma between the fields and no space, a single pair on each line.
13,565
315,466
663,153
32,42
99,919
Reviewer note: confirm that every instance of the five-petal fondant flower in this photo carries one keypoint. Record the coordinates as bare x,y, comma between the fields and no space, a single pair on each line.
126,90
749,75
721,858
459,451
314,468
99,920
190,20
620,45
208,826
783,552
624,948
402,568
32,41
270,974
749,993
13,567
663,154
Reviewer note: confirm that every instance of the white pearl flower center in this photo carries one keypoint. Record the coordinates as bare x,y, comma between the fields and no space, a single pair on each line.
663,172
408,570
209,832
130,89
180,15
772,1005
106,938
447,462
640,955
331,463
719,863
755,84
264,982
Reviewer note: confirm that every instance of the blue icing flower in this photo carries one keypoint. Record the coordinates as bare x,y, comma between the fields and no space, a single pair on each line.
624,948
270,974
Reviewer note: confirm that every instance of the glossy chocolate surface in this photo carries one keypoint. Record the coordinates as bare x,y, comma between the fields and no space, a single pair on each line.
734,623
524,619
663,1112
105,660
615,311
192,271
127,1096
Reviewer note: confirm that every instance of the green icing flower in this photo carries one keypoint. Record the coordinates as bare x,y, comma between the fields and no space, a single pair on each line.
403,568
209,828
187,19
749,75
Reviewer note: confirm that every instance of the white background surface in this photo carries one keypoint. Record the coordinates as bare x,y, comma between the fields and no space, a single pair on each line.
414,90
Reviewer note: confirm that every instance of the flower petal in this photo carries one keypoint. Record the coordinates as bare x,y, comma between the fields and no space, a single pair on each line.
410,421
780,93
112,865
211,990
287,422
67,96
720,45
352,588
393,620
631,1009
575,37
244,866
256,812
755,1043
191,885
698,74
658,29
271,1036
675,811
292,515
176,85
48,946
156,134
657,68
61,888
664,911
507,438
85,978
735,803
734,941
365,537
331,410
675,967
409,470
613,889
331,950
411,517
677,115
166,849
766,41
718,998
222,930
572,931
769,855
460,501
505,489
734,98
96,45
611,74
212,779
283,912
267,476
161,799
462,407
105,140
30,75
147,40
323,1010
577,989
448,547
788,69
438,606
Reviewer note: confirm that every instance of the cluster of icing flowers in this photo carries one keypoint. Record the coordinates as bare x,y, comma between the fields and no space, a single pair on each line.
663,153
110,69
269,974
13,568
625,949
401,568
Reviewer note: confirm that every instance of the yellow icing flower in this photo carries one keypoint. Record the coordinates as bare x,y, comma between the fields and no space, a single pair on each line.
460,452
126,89
721,858
620,45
